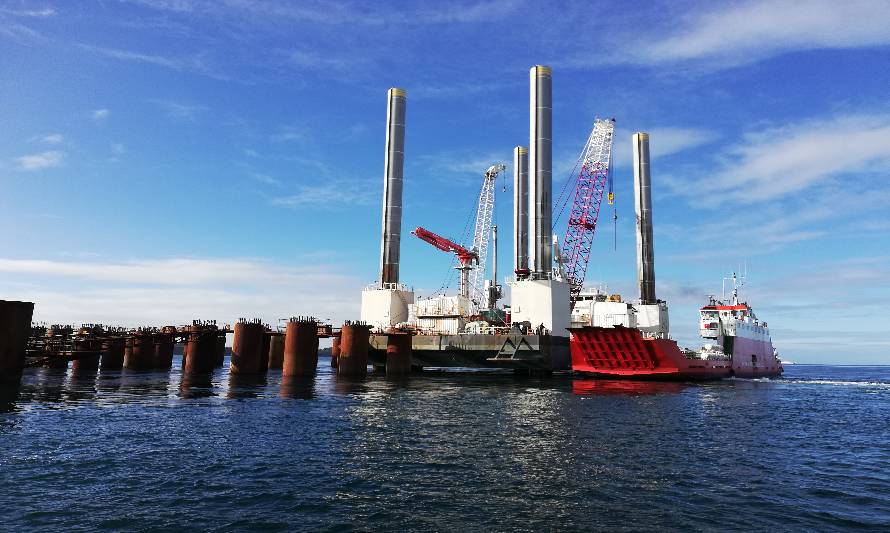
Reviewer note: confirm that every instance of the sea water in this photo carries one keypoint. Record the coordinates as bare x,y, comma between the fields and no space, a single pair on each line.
445,451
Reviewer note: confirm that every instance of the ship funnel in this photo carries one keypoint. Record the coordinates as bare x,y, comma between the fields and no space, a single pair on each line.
540,170
520,211
392,186
643,207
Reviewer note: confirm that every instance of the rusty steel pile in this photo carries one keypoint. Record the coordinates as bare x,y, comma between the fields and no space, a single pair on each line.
256,346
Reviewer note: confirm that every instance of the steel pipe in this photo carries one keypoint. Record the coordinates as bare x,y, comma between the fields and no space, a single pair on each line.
394,162
643,208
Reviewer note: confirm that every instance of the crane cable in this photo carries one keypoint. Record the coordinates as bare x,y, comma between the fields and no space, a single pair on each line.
448,279
563,199
614,207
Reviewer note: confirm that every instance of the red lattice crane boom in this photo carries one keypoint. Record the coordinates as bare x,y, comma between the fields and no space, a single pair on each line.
593,179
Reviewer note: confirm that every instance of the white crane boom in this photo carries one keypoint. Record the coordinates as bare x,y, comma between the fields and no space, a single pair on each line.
482,233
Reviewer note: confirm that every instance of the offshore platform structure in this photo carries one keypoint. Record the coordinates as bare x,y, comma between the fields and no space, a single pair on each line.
594,178
386,303
456,331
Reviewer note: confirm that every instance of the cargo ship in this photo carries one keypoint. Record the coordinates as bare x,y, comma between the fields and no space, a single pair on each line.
619,340
612,338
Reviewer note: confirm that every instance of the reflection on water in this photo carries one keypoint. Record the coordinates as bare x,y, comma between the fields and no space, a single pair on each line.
350,385
196,386
298,388
144,383
244,386
587,387
9,394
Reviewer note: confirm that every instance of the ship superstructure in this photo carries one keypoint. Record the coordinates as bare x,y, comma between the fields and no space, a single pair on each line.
735,331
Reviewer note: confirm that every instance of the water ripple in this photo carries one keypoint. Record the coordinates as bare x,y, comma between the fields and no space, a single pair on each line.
446,451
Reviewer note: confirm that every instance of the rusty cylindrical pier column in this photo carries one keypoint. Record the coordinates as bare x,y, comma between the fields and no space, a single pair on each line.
398,354
164,347
300,348
247,348
139,353
276,352
112,354
15,327
354,345
87,349
335,350
201,347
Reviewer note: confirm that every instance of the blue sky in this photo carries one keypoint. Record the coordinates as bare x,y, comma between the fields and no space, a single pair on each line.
164,160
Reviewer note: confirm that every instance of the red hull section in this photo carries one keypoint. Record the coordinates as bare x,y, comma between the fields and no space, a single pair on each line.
620,352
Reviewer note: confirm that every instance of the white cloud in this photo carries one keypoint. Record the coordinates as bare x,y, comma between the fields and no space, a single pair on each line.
173,272
662,142
322,61
194,63
101,114
463,168
456,89
738,33
289,134
780,161
118,148
332,195
127,55
265,178
176,291
334,13
37,13
53,138
473,12
180,111
48,159
179,6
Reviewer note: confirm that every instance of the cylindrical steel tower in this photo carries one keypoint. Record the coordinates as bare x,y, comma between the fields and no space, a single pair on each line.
392,185
643,207
520,211
540,163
